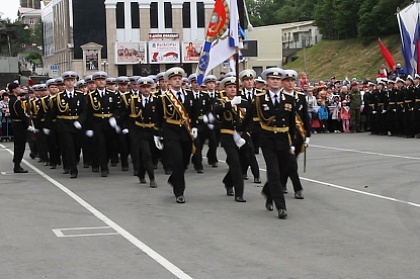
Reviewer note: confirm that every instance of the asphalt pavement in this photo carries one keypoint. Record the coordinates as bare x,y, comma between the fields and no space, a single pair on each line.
360,219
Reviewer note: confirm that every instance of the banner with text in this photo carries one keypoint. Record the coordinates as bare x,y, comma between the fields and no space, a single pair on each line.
166,52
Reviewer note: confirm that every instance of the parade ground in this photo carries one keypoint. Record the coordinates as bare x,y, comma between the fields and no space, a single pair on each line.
360,219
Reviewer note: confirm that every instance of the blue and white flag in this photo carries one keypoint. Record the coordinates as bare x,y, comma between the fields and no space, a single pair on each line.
409,23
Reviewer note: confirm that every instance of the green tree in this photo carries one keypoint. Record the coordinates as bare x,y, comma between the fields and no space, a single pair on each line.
325,18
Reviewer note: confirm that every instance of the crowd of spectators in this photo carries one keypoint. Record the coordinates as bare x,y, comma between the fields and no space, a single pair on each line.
329,102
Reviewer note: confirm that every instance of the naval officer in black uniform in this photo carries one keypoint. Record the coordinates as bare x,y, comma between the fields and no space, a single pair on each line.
176,122
276,112
69,109
19,125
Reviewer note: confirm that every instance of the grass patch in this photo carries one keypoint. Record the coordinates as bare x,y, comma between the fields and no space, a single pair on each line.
352,58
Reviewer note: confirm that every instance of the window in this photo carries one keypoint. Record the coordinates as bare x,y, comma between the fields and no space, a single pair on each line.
186,15
200,15
31,21
120,15
88,28
168,14
135,15
122,70
154,15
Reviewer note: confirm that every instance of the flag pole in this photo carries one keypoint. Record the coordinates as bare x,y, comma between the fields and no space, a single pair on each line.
237,70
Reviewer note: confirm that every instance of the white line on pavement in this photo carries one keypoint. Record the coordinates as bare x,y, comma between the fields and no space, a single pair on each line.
365,152
351,190
128,236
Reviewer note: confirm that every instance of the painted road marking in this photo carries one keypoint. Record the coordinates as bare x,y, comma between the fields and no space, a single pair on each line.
351,190
62,231
128,236
365,152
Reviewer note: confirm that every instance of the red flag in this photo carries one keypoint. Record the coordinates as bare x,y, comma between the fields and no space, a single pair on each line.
387,55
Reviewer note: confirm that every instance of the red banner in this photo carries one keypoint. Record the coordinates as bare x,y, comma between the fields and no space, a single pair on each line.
387,55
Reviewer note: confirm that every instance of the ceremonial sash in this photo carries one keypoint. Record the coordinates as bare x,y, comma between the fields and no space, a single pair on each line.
179,108
301,128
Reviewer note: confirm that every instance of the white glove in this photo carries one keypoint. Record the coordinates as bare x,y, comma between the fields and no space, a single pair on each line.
194,133
77,125
112,122
383,111
89,133
211,117
125,131
31,129
46,131
374,112
236,100
211,126
240,142
236,136
205,119
307,142
158,143
394,110
292,149
117,129
238,139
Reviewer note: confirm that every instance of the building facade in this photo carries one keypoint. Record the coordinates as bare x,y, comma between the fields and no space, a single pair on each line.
278,43
123,37
34,4
30,17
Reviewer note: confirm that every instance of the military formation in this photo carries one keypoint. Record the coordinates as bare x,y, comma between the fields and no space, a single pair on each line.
392,107
137,122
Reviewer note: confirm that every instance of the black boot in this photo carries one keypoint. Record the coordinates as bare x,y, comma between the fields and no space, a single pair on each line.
19,169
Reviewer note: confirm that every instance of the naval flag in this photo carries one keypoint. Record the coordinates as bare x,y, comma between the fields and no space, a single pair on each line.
222,37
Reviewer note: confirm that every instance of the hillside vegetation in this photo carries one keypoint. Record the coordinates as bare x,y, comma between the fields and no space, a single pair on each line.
341,58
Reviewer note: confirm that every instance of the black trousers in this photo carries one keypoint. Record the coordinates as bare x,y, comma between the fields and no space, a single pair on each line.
19,141
276,162
214,138
103,138
42,144
178,146
197,157
233,177
292,172
143,145
87,149
53,147
123,148
70,144
248,159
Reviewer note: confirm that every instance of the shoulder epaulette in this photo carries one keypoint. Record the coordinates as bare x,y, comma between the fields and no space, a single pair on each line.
262,93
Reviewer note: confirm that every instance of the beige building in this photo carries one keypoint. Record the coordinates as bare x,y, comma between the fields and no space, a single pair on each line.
29,16
278,43
123,37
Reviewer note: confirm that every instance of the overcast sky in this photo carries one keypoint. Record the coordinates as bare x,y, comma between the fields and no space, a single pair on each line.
9,8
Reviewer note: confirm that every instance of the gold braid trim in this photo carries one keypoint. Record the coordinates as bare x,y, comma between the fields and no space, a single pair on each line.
260,114
60,107
43,104
98,107
183,115
133,108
